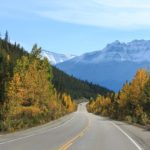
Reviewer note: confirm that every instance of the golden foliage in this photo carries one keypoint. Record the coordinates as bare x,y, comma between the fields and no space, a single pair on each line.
124,95
31,95
100,105
68,103
129,104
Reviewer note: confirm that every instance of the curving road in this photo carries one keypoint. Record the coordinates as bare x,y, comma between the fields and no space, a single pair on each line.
79,131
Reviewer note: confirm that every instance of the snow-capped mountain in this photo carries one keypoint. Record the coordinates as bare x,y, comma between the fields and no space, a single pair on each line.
55,58
112,66
135,51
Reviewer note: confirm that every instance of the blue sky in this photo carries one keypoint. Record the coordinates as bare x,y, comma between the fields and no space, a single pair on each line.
74,26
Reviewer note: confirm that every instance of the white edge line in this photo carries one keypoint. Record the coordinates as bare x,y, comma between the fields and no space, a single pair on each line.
133,141
17,139
31,135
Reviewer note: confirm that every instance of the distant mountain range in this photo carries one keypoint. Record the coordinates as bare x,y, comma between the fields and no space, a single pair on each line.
55,58
112,66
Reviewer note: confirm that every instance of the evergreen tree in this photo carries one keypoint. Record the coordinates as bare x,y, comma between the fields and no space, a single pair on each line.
36,51
6,37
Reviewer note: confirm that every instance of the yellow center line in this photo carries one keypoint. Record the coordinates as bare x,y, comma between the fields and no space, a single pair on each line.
72,141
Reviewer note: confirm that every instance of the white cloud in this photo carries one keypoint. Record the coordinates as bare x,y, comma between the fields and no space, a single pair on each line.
138,4
124,14
101,19
127,14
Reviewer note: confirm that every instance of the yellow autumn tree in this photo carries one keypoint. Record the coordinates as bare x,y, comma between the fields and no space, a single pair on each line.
68,103
124,95
29,93
31,97
100,106
137,85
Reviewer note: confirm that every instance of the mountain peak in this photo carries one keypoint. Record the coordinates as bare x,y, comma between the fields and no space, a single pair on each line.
134,51
117,42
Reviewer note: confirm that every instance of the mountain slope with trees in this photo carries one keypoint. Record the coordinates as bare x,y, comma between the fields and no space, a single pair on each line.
75,87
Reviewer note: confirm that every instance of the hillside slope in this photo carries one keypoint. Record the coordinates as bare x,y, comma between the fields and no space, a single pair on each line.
75,87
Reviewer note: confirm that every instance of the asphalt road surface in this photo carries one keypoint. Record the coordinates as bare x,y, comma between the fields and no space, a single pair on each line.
79,131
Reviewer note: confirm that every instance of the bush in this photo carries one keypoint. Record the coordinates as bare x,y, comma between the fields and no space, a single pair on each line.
128,119
144,119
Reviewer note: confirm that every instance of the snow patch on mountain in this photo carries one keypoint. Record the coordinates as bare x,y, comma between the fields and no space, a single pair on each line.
55,58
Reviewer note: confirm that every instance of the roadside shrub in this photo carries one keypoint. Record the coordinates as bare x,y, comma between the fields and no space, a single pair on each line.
128,119
144,119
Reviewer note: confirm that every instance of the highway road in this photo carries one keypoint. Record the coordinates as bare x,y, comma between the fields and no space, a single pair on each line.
79,131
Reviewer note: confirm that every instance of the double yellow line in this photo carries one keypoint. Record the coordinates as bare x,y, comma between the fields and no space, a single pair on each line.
72,141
